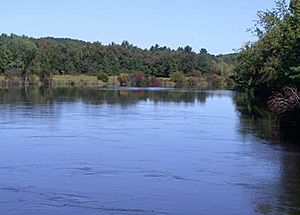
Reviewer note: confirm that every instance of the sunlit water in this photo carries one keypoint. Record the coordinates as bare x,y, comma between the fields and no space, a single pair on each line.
91,152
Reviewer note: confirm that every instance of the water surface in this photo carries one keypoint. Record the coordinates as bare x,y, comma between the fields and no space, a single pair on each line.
74,151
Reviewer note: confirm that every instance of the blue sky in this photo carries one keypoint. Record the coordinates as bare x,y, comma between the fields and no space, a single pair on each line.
219,25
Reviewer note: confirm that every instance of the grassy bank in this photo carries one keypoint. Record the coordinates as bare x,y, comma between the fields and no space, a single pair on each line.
2,79
204,82
92,81
76,81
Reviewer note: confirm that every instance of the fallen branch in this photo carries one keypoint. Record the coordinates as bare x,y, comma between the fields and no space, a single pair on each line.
288,100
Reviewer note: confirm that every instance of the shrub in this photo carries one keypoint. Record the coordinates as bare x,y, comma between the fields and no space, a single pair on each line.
178,78
102,77
34,80
153,82
123,79
46,77
216,81
137,79
193,82
113,81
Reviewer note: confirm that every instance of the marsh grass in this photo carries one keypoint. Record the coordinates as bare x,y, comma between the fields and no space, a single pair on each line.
76,80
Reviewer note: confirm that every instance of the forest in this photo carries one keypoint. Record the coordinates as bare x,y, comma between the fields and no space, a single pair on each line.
27,59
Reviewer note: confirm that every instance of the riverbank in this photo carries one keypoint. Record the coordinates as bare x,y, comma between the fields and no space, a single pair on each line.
123,80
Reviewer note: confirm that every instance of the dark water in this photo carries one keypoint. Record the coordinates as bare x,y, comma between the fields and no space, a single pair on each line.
69,152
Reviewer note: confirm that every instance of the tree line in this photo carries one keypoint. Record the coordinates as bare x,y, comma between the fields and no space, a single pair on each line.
44,57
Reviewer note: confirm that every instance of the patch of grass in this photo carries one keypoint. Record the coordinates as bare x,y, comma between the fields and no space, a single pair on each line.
167,82
2,77
74,78
164,79
76,81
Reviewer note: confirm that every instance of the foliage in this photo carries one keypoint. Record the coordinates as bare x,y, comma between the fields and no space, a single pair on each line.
193,82
178,78
152,81
295,74
124,79
17,54
46,57
103,77
137,79
273,60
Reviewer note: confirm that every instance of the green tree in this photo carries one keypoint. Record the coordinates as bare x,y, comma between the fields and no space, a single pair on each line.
103,77
19,54
178,78
5,58
47,55
266,65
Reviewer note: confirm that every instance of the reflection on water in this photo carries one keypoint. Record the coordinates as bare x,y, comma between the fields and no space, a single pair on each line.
123,97
256,121
140,151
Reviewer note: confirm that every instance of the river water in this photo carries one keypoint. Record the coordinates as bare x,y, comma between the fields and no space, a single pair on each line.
142,151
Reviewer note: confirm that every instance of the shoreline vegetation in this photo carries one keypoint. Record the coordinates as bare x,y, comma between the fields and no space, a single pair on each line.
269,68
273,61
61,61
123,80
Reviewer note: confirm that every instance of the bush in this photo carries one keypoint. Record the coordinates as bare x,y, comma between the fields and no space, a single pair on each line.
46,77
102,77
123,79
113,81
178,78
193,82
153,82
216,81
137,79
34,80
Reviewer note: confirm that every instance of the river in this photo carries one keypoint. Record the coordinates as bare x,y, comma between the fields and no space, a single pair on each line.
141,151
